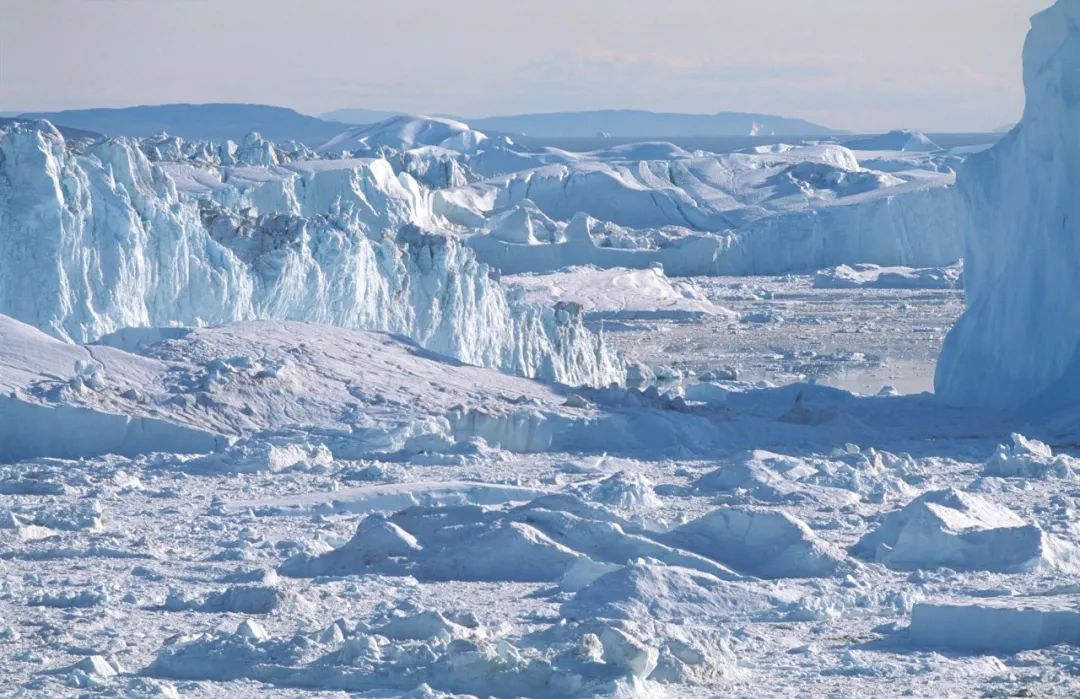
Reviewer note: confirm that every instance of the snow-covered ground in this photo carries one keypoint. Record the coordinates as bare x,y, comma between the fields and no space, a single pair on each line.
423,412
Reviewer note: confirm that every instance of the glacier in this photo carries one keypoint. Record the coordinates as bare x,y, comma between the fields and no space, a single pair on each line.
1016,346
100,238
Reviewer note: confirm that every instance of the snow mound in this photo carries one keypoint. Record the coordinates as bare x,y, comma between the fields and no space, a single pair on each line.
494,550
954,529
644,150
897,140
405,133
989,626
239,599
1029,458
765,543
868,276
1016,345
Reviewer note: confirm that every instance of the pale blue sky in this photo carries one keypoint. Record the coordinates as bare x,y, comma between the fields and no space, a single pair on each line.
937,65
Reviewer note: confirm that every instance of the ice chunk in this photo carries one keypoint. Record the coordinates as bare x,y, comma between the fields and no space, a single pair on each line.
1008,625
406,132
955,529
262,457
626,490
766,543
252,630
867,276
646,589
1029,458
897,140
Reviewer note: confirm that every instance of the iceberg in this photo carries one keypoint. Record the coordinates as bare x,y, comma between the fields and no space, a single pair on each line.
1016,346
104,239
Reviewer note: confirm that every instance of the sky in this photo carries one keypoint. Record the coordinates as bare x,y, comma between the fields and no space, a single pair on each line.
861,65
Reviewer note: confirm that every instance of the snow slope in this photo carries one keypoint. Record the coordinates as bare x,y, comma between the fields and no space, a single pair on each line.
1017,346
38,375
363,391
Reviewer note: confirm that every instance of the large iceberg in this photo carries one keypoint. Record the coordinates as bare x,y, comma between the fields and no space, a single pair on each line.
763,212
102,239
1016,346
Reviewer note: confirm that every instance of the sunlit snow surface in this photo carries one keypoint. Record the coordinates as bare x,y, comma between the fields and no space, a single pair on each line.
423,412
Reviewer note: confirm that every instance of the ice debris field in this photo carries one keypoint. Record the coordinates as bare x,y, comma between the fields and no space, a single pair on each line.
424,412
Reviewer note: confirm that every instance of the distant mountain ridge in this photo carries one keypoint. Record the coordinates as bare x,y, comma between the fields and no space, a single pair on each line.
360,117
634,123
619,123
221,121
216,122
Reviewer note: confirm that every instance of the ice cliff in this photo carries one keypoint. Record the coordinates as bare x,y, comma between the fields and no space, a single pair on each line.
105,238
1016,346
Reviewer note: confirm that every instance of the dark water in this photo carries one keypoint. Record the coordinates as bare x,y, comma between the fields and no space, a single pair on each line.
726,144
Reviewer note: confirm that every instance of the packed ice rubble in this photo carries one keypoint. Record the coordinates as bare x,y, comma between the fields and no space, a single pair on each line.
432,652
1030,458
102,239
1016,346
347,542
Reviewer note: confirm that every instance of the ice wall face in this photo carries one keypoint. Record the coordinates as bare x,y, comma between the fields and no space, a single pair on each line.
1016,346
93,242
